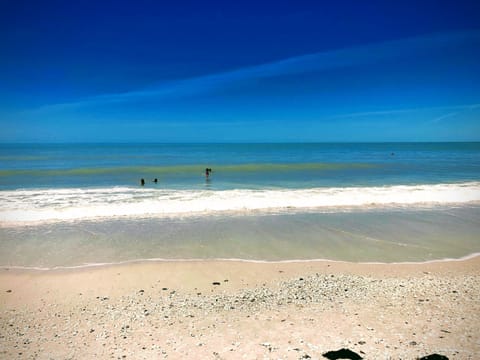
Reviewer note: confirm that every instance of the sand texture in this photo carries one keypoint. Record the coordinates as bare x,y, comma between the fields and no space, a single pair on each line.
235,310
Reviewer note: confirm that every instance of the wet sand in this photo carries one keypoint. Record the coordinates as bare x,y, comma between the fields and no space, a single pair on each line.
235,309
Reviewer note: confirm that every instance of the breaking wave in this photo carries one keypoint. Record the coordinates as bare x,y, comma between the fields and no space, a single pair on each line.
23,207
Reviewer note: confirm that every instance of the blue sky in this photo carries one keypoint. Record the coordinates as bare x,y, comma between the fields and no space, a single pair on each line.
222,71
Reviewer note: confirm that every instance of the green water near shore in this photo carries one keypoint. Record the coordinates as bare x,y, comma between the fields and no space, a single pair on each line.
393,235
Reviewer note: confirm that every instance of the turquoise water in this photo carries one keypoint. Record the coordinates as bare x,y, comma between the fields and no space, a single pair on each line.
69,205
181,166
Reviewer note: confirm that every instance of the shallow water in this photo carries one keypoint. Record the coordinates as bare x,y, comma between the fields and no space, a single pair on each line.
393,235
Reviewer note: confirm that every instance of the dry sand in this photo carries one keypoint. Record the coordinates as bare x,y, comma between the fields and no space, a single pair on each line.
234,310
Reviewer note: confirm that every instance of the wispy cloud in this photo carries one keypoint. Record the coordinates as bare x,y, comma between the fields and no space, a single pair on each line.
373,113
445,116
461,110
458,109
317,62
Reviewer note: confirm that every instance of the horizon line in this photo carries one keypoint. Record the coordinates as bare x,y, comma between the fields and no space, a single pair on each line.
130,142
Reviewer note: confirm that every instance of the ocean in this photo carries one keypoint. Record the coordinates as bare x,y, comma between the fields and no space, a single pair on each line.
69,205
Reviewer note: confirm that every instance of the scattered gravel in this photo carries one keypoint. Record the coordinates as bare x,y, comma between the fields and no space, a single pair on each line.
303,317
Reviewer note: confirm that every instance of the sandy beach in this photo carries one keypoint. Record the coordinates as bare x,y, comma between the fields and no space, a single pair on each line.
234,309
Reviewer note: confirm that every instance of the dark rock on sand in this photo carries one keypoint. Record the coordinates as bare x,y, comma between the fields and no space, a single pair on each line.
215,283
342,354
433,357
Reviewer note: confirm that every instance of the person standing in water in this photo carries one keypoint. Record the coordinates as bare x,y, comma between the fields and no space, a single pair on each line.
142,181
207,172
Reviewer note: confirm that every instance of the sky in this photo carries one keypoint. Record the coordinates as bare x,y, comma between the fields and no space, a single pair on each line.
239,71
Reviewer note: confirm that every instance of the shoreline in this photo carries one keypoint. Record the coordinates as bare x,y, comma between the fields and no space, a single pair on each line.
367,237
226,260
228,309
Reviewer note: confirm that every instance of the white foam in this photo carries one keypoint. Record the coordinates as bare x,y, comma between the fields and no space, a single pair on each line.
34,206
233,260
